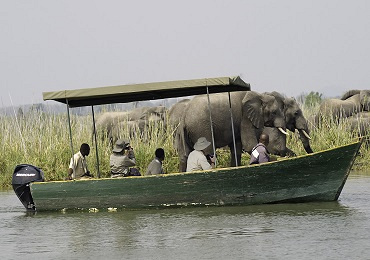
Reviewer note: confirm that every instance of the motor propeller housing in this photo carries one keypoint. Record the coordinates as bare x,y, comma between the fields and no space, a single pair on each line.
23,175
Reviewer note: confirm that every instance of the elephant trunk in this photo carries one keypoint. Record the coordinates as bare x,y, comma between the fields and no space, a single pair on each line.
305,138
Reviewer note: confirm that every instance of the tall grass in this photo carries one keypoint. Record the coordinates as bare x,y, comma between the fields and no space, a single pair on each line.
43,140
330,132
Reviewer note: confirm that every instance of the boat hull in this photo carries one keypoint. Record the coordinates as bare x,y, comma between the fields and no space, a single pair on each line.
314,177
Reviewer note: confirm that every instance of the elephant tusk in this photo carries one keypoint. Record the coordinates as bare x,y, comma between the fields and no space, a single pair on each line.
283,131
306,135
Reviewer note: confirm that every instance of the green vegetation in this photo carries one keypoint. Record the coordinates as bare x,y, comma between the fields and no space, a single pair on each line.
43,140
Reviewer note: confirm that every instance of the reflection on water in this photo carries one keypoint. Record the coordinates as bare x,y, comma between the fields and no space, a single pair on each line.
291,231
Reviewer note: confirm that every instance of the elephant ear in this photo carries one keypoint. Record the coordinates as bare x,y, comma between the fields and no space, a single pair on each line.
252,108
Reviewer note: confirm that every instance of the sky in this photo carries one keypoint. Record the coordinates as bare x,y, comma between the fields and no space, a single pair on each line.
288,46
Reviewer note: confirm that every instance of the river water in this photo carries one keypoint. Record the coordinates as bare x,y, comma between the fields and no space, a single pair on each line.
330,230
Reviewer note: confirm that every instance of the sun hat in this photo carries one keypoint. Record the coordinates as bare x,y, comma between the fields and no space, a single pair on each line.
120,145
201,144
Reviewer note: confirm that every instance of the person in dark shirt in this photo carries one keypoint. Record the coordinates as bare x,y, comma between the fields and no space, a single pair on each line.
259,152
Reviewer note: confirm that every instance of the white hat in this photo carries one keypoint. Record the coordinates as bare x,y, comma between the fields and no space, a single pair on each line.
201,144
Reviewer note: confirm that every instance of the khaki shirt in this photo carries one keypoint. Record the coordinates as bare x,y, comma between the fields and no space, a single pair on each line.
120,163
197,161
78,165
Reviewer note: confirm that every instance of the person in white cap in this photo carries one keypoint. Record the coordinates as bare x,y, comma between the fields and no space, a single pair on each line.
197,159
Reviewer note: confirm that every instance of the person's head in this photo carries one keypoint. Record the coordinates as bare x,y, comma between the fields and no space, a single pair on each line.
264,138
85,149
201,144
120,146
159,153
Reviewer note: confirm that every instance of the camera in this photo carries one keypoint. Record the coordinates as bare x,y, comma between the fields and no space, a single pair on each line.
209,156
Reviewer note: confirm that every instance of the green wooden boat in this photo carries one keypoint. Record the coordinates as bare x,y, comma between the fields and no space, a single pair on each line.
314,177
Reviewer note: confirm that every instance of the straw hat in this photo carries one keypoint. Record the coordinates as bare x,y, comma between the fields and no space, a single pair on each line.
120,145
201,144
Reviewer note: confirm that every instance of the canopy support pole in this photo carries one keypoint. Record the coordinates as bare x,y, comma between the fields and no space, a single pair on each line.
96,143
70,136
210,120
232,129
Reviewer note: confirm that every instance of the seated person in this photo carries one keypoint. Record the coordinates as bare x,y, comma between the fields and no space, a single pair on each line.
197,159
78,166
121,159
155,166
259,152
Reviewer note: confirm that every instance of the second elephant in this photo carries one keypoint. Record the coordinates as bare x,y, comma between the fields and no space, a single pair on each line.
109,124
294,120
251,112
352,102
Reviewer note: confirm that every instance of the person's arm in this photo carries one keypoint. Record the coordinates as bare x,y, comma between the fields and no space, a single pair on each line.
87,172
70,172
213,160
204,164
70,169
127,162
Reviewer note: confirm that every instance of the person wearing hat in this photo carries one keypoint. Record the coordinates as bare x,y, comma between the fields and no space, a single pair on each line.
78,166
197,159
121,159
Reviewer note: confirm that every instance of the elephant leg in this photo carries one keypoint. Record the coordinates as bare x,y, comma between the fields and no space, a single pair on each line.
238,153
182,165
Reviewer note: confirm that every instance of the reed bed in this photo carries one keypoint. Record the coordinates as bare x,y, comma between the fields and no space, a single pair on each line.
42,139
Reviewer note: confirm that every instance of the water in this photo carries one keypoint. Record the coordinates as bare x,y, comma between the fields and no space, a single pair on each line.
333,230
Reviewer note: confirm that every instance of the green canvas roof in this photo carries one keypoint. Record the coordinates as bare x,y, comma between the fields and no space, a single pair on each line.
146,91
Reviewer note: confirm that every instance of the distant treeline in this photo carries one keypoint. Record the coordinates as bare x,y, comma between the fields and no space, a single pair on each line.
58,108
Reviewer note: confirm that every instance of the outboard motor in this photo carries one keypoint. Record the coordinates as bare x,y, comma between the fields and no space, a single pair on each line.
23,175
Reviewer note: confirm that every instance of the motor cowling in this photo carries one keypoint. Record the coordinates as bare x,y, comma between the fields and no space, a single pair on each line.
23,175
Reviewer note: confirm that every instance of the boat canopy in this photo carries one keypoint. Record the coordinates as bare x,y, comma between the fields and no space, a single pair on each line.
146,91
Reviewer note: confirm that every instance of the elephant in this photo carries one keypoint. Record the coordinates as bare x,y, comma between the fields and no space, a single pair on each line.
359,123
109,122
250,111
294,120
352,102
137,128
175,112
